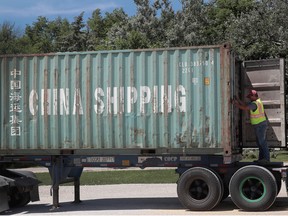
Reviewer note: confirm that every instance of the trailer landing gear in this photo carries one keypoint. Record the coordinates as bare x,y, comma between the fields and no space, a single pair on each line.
61,174
55,194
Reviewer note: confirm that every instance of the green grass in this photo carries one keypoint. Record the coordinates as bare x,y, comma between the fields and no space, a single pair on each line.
120,177
277,156
145,176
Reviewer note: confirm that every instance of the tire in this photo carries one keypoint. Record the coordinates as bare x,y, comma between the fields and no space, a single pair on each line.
253,188
200,189
278,179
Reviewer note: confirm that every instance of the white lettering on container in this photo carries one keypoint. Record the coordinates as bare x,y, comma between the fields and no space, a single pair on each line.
99,106
131,98
33,98
77,105
117,100
145,96
64,102
15,102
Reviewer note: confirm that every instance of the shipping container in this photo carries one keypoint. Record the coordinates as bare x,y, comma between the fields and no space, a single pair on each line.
141,108
164,100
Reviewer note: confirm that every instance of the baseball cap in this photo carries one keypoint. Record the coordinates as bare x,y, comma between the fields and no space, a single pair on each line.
252,92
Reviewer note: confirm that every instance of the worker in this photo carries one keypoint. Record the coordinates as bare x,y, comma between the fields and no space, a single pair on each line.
258,120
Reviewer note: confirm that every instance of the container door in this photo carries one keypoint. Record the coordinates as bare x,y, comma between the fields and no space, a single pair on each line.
236,113
267,78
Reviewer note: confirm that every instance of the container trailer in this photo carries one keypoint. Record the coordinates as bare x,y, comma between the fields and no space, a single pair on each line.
141,108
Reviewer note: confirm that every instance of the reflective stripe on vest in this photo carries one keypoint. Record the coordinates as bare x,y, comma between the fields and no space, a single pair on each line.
259,115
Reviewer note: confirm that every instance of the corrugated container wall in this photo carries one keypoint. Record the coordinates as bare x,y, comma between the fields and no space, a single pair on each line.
170,100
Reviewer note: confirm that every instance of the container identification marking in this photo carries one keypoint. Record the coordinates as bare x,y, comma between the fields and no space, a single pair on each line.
170,159
100,160
188,66
190,158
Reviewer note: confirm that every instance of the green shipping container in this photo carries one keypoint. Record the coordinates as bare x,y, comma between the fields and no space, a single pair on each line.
174,100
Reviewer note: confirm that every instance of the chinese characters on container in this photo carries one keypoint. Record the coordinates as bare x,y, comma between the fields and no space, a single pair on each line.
15,103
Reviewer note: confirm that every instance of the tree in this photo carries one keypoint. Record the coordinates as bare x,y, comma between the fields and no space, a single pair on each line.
44,35
255,28
39,37
262,32
8,39
58,29
145,21
96,29
146,29
76,37
166,34
189,24
100,26
221,14
139,31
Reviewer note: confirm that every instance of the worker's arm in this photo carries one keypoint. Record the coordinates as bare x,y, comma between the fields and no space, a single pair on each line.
240,104
240,101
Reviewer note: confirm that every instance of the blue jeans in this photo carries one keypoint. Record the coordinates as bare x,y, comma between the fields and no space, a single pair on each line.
260,130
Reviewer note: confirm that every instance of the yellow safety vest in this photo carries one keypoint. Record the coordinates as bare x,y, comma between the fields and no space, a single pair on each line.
258,115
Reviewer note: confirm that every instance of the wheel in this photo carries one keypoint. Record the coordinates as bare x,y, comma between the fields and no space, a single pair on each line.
278,179
200,189
253,188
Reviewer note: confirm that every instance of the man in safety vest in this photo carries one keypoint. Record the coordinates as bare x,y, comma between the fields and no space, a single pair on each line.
258,120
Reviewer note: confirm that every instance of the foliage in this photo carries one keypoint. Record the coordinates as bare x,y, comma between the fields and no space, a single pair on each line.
76,37
103,28
261,34
8,38
255,28
43,36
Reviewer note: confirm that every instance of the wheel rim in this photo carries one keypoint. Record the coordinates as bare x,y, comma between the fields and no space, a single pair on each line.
252,189
199,189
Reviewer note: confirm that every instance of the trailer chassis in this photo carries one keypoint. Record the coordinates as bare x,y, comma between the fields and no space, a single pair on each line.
68,168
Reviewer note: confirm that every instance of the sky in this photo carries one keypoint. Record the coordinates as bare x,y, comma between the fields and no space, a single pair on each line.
25,12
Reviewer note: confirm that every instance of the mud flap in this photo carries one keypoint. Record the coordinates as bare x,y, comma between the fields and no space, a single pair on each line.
34,194
27,182
3,195
286,181
4,199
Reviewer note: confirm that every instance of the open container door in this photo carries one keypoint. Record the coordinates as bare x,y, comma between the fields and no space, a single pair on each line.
267,77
